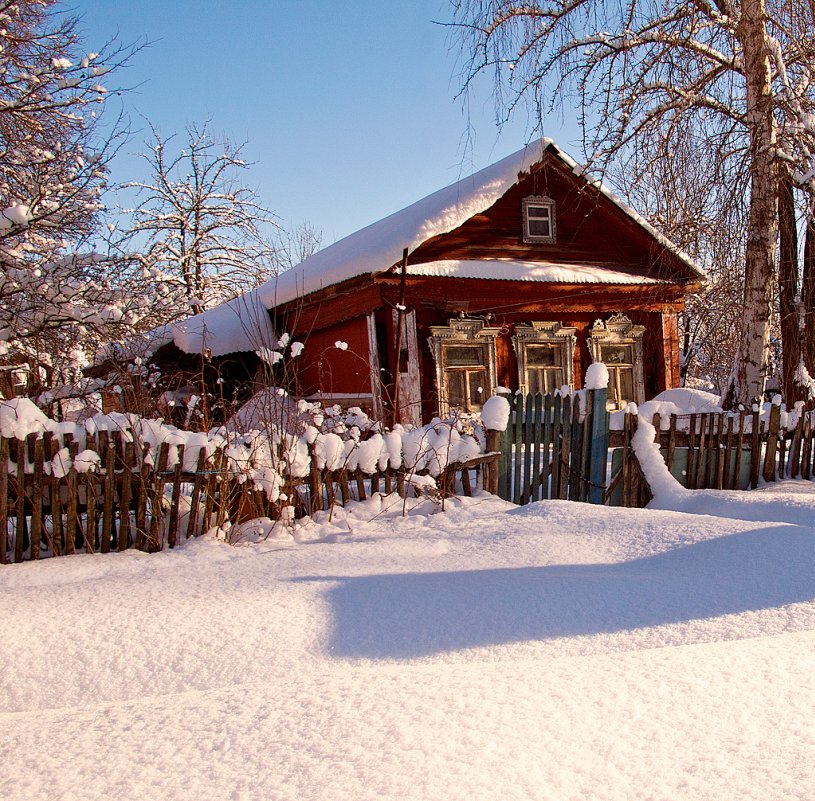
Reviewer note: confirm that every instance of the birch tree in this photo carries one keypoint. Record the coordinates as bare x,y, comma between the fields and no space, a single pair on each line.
195,221
739,74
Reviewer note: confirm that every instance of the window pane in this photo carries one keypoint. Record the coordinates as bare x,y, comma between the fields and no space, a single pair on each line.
464,356
539,211
539,227
627,383
616,354
543,380
455,384
477,384
543,355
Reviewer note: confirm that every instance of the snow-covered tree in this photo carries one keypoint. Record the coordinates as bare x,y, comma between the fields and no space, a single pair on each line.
52,174
197,224
740,75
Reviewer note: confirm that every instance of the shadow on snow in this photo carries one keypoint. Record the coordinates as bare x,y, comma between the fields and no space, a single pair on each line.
417,614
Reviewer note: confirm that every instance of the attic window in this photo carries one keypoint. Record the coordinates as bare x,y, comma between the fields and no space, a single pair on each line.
539,218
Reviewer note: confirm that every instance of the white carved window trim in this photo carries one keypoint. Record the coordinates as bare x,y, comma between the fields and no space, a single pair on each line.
538,203
619,330
463,332
543,333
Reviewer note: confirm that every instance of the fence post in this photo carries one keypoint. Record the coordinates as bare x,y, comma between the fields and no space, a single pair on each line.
598,449
504,489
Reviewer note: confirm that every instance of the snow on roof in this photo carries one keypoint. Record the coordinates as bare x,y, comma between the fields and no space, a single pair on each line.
242,324
505,270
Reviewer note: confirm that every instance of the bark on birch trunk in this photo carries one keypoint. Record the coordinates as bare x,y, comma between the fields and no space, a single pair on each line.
750,368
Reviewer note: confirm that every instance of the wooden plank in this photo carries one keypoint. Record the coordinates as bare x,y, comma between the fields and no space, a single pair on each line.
598,450
465,482
504,466
565,446
3,500
328,479
671,455
90,511
374,482
35,442
710,451
537,447
718,446
771,448
315,483
172,534
155,538
518,428
625,470
51,445
21,533
577,457
345,492
739,450
795,448
727,454
690,478
529,412
557,435
546,422
360,482
107,451
755,456
141,500
125,495
782,454
73,530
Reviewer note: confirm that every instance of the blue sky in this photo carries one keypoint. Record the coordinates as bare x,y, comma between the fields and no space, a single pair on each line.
348,110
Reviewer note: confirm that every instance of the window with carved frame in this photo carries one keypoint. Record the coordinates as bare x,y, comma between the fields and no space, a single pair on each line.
464,352
617,342
539,223
545,352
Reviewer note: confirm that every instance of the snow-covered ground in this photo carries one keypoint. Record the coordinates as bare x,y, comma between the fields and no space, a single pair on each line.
556,651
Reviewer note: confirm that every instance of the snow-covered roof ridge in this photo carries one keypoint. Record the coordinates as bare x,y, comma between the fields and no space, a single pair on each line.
241,324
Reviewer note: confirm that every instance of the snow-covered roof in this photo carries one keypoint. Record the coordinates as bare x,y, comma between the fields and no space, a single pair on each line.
242,324
544,272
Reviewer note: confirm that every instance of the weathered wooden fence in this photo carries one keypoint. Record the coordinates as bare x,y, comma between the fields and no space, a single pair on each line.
553,449
132,499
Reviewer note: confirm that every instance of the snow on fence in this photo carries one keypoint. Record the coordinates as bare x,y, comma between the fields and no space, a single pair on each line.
117,481
717,450
564,445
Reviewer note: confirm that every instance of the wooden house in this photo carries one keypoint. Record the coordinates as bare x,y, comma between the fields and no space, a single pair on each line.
518,276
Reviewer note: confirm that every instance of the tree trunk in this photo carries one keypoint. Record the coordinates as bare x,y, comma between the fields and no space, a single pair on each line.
788,289
750,367
808,291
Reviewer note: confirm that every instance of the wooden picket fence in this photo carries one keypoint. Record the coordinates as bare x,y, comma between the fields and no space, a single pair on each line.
553,450
133,500
715,450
